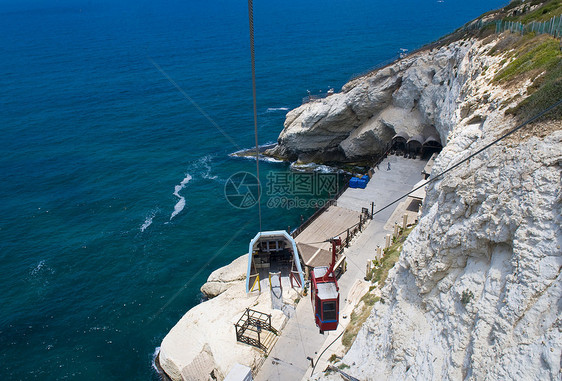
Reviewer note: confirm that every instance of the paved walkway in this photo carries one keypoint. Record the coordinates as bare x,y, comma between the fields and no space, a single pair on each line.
300,337
385,186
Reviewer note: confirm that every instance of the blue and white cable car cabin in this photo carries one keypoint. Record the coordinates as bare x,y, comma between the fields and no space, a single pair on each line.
325,294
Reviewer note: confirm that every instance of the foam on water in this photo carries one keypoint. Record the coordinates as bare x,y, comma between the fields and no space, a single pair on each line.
154,355
148,220
249,153
38,268
181,203
205,163
313,167
273,109
260,157
41,268
270,159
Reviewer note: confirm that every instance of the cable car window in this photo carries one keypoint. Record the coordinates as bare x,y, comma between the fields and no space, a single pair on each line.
329,311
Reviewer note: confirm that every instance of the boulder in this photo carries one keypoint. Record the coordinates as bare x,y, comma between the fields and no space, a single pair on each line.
223,278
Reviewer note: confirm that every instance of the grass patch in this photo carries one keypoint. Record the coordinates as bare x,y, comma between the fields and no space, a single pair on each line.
547,90
358,317
539,59
533,55
389,259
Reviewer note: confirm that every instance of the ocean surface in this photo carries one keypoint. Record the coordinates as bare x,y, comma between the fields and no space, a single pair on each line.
117,119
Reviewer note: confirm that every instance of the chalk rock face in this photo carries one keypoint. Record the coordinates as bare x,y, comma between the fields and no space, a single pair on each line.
223,278
419,95
477,293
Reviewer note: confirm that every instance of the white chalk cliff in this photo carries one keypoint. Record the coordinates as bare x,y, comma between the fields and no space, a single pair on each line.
477,292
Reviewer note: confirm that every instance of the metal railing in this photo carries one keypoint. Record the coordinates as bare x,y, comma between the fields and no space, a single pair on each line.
254,322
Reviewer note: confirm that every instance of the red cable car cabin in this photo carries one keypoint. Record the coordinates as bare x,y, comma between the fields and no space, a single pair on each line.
325,294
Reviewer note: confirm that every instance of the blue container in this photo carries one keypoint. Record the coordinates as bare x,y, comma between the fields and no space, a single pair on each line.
361,183
353,182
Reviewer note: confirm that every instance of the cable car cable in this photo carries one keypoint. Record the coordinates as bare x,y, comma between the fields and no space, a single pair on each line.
253,59
325,349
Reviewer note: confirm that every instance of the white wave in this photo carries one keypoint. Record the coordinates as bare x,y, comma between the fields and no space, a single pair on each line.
146,223
313,167
270,159
249,153
181,203
154,355
38,268
205,162
272,109
178,207
148,220
261,158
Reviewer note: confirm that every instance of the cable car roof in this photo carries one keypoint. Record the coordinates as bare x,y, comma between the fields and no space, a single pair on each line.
327,291
320,271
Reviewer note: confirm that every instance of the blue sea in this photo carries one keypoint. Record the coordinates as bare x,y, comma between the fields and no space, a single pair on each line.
117,120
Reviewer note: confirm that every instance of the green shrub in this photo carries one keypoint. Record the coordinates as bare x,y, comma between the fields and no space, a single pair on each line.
466,297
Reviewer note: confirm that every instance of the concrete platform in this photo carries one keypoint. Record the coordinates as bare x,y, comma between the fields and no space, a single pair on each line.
385,186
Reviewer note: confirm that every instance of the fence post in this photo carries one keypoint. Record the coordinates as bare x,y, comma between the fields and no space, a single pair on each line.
372,209
347,240
360,221
258,328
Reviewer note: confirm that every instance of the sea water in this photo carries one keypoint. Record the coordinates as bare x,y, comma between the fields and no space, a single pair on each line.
117,120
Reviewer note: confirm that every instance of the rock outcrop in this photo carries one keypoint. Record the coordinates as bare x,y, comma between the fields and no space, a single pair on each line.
426,93
223,278
477,292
